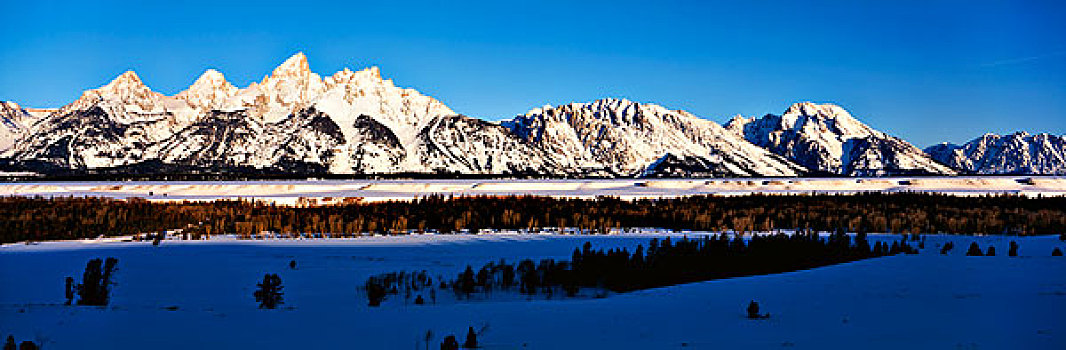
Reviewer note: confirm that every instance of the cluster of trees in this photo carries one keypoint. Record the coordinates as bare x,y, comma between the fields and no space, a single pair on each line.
451,343
379,287
664,263
9,344
95,286
69,218
975,250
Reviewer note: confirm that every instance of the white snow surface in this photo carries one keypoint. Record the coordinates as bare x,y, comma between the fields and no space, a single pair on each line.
326,191
925,301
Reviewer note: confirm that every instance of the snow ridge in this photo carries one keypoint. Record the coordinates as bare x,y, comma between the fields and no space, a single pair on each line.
357,122
620,137
1017,153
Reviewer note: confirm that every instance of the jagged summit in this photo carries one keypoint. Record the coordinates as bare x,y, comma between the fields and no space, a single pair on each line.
296,65
210,78
365,77
127,78
125,92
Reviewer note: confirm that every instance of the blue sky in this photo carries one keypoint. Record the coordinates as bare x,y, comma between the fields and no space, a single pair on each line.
927,71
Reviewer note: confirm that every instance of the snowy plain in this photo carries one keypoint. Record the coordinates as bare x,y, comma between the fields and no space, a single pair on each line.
325,191
924,301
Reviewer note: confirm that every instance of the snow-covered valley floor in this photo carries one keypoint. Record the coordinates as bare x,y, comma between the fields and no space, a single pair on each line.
925,301
326,191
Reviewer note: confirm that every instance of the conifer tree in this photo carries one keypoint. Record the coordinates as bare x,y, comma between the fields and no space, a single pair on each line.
471,339
946,248
95,287
449,343
269,294
753,310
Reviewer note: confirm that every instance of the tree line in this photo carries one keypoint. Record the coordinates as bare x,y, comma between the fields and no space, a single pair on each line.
665,262
37,218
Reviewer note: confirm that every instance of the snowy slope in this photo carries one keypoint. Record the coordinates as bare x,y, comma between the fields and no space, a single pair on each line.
826,138
623,137
925,301
468,145
15,123
1017,153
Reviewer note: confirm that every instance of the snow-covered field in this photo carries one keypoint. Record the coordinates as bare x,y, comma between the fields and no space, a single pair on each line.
924,301
287,192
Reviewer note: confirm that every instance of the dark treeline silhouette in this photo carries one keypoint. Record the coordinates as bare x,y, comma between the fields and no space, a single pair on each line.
665,262
69,218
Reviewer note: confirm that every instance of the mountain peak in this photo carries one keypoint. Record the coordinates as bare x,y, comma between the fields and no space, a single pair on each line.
210,90
293,66
124,81
127,88
347,76
210,77
812,109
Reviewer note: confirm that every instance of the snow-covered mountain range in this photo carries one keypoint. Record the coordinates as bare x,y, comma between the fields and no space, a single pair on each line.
1017,153
825,138
356,122
624,138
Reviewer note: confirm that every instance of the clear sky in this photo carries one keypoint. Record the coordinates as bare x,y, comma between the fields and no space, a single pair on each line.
927,71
